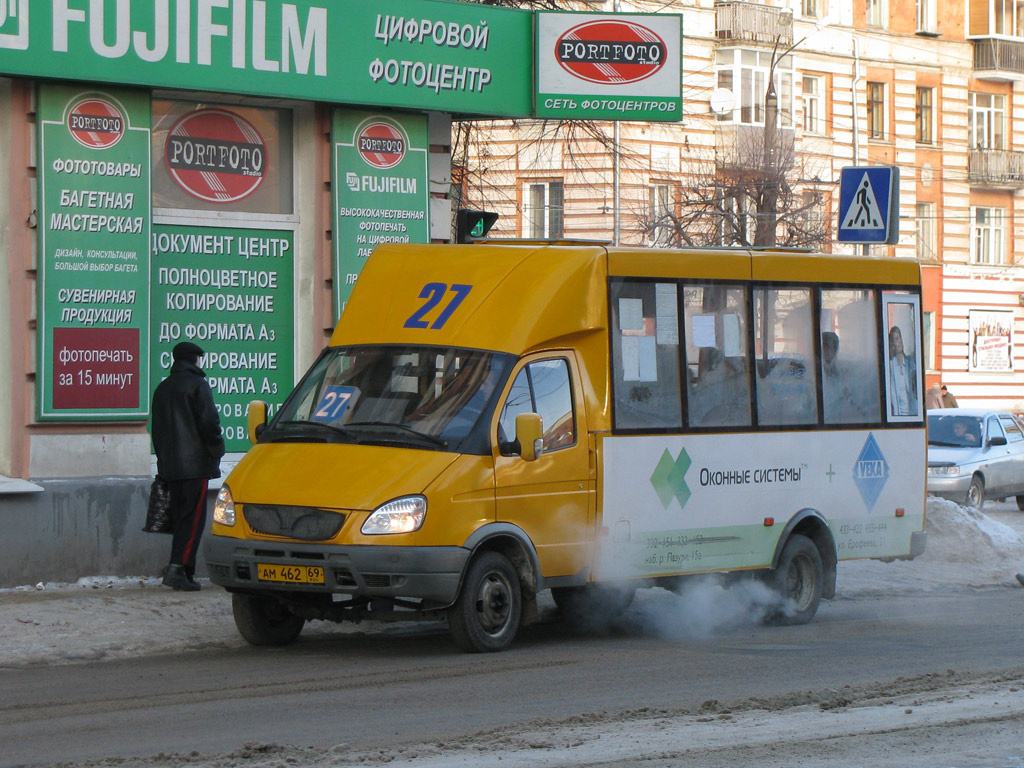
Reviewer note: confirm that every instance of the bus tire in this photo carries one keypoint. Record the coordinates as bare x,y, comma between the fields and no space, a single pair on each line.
485,616
265,621
797,580
976,493
593,602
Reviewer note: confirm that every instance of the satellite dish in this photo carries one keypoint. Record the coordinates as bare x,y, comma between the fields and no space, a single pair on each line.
722,101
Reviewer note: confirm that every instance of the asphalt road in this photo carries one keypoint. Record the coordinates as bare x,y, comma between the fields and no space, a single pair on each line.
379,690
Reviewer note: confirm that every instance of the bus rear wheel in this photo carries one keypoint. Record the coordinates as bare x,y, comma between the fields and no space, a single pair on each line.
264,620
797,580
485,616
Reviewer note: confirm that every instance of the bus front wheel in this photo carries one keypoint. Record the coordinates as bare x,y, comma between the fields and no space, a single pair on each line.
264,620
798,581
485,617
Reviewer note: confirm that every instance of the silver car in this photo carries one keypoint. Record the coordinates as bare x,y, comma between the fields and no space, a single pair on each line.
975,454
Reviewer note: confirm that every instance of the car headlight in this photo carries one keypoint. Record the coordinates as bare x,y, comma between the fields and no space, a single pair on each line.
224,507
949,470
403,515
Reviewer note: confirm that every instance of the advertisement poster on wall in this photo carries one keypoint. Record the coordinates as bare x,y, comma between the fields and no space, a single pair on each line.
381,189
991,340
94,231
229,291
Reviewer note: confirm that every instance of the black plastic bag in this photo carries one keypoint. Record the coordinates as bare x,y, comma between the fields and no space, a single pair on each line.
158,514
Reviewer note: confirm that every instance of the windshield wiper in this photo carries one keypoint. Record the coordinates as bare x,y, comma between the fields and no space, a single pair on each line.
405,428
318,424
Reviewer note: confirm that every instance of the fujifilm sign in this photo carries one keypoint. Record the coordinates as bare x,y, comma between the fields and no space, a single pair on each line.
190,31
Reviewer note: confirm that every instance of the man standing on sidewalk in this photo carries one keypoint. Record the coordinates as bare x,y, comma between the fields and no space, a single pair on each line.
188,443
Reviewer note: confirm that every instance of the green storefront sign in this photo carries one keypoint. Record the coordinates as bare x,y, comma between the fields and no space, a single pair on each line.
230,291
422,54
381,190
94,229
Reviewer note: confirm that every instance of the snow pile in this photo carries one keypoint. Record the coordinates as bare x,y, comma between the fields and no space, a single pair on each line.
961,535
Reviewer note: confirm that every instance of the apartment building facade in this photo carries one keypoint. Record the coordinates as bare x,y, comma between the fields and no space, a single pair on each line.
932,88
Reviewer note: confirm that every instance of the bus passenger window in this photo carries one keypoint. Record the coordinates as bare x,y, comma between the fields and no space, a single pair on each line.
784,348
849,357
717,380
645,354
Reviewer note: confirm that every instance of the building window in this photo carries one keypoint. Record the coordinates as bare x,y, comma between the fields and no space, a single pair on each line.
812,104
988,235
925,115
809,8
875,13
745,73
926,17
661,214
544,210
986,121
925,220
738,222
928,340
876,110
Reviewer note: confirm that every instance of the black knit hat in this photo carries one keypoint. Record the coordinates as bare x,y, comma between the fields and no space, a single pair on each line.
186,350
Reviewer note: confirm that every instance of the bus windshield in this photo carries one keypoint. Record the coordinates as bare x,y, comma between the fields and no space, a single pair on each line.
427,397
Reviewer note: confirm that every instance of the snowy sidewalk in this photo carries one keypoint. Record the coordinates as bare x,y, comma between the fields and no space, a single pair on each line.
110,618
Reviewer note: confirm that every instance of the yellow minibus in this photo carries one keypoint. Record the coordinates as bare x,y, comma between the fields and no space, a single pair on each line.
497,419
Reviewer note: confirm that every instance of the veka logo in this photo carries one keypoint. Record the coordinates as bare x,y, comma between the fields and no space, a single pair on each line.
216,155
870,472
669,478
610,52
14,24
95,123
381,145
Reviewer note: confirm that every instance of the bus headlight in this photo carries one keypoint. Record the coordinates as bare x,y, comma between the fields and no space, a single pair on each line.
224,507
403,515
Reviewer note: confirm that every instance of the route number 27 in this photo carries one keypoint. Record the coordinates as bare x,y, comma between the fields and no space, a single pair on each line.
434,293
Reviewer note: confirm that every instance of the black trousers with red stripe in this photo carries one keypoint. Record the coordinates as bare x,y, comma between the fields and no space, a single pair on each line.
188,511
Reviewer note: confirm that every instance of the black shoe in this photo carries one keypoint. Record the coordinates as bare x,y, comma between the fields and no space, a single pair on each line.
176,578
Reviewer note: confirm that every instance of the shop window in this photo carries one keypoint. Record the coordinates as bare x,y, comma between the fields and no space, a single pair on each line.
222,157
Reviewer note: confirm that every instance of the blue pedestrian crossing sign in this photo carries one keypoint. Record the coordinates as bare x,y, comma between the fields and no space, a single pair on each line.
869,204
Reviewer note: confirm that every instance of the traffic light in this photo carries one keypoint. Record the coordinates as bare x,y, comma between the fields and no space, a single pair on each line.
473,225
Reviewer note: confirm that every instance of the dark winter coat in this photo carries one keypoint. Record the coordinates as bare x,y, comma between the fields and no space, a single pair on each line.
186,427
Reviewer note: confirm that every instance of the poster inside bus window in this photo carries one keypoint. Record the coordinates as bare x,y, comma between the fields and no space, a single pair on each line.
902,342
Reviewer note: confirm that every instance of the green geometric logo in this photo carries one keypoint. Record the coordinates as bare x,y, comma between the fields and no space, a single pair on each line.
669,478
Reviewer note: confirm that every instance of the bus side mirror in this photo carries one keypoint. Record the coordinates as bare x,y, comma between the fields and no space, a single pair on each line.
529,435
256,419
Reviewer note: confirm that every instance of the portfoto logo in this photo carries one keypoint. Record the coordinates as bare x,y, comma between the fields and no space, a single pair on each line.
96,123
381,145
216,155
610,52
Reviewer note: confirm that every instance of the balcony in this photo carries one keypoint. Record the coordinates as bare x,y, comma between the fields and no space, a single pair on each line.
742,22
996,168
997,58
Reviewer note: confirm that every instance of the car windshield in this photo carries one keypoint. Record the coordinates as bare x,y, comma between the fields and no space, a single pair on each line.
429,397
954,431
